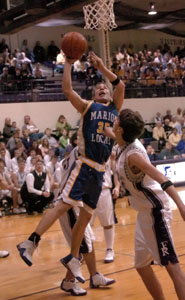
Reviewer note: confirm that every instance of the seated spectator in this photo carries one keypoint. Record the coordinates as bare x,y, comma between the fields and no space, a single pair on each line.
158,117
7,196
2,65
35,146
6,81
53,165
60,60
181,144
48,157
18,179
44,147
14,161
159,135
73,144
6,159
7,129
151,153
39,52
26,140
38,73
52,52
174,137
18,79
32,155
12,142
64,139
168,115
180,125
62,124
80,68
3,146
179,113
35,192
174,123
169,152
32,129
52,141
167,127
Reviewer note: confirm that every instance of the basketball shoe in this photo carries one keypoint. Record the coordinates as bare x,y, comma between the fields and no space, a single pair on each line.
73,264
26,250
72,287
109,256
99,280
4,254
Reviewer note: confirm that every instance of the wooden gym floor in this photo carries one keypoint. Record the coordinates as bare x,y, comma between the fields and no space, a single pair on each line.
42,280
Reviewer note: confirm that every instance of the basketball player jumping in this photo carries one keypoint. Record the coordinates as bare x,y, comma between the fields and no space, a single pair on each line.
85,182
149,195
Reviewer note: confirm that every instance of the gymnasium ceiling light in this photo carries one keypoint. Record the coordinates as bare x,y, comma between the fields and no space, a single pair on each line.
152,10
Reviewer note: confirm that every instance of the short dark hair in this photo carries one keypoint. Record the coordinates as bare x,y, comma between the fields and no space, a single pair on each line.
132,124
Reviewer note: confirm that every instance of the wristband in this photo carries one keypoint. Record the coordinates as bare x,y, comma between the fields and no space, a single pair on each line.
166,184
116,81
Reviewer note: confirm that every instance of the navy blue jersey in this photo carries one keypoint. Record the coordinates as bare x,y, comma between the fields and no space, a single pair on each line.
91,142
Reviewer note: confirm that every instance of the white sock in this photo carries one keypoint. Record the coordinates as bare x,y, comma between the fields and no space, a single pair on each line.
109,237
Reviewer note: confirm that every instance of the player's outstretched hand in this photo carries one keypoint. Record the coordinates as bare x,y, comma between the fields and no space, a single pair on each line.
96,61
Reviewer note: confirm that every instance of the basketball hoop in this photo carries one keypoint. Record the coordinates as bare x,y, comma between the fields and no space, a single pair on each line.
100,15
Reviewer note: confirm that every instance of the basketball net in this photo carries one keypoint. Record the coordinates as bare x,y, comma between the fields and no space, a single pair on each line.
100,16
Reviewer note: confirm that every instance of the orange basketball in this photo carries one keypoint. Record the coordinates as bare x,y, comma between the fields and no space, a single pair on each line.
73,45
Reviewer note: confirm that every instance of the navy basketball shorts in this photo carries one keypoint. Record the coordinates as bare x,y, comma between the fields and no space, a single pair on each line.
84,185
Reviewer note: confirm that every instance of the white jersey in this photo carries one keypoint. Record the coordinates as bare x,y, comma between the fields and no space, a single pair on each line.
144,191
107,178
62,173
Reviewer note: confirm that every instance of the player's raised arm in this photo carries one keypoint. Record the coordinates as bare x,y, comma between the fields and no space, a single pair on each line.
79,103
119,87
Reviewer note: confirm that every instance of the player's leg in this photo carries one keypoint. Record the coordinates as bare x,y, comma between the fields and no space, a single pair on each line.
71,261
105,214
178,277
151,282
96,279
27,247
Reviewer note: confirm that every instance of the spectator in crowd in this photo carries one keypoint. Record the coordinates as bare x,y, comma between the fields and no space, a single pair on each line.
168,115
169,152
180,125
32,128
179,113
44,146
71,145
52,51
14,160
35,192
181,144
61,124
18,178
151,153
6,81
167,127
53,165
12,142
35,146
26,140
9,194
32,155
3,146
174,123
64,139
38,73
80,68
60,61
39,52
6,159
7,129
158,117
159,135
48,157
174,137
52,141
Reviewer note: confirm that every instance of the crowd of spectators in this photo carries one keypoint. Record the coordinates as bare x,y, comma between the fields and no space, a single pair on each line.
147,73
167,137
28,161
